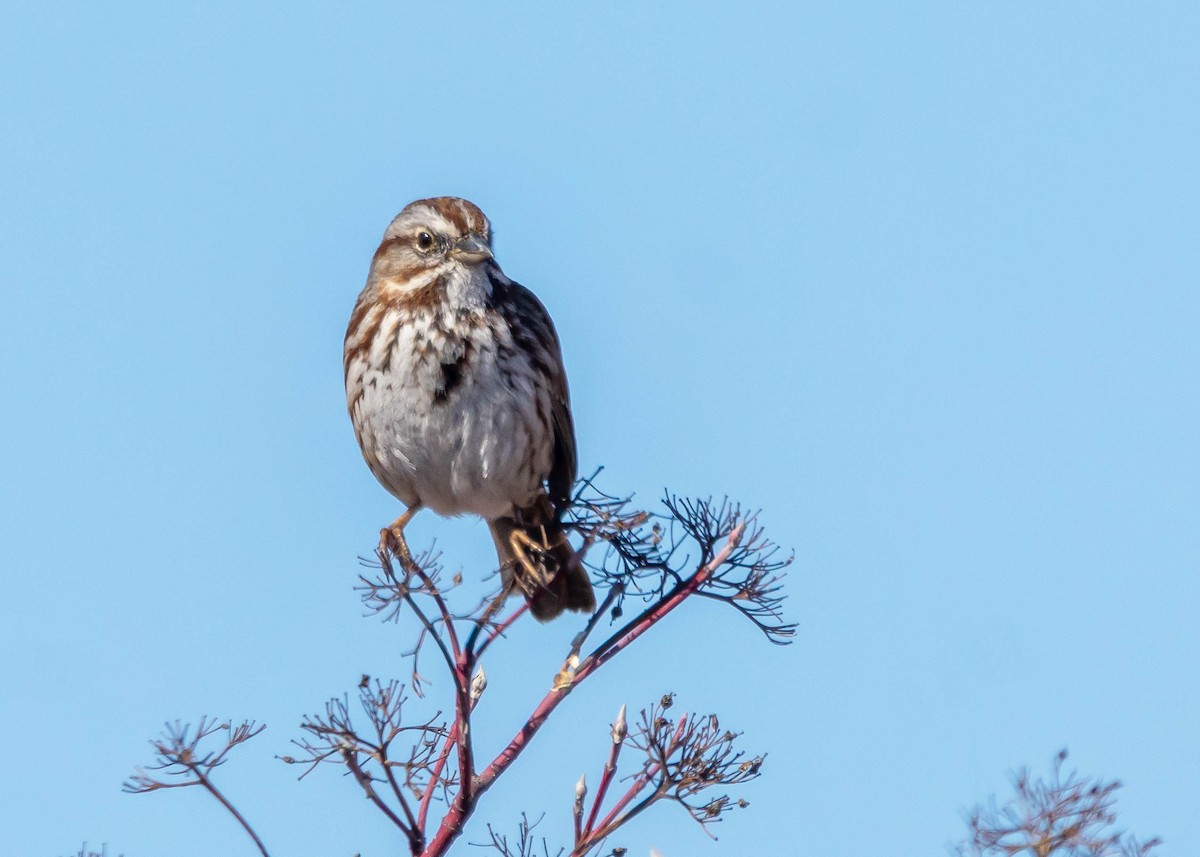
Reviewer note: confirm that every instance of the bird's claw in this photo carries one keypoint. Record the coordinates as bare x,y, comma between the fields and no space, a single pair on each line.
536,575
391,539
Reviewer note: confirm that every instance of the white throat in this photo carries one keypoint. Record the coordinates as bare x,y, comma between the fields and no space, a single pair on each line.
467,286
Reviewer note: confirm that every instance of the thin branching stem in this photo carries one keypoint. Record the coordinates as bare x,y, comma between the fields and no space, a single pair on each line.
232,810
411,829
614,819
178,755
603,654
615,593
368,787
654,613
429,587
696,548
498,631
606,778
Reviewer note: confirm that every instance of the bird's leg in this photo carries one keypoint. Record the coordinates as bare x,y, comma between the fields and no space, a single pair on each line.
538,577
562,540
391,539
519,540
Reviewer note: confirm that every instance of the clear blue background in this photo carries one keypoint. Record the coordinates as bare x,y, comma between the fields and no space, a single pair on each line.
917,279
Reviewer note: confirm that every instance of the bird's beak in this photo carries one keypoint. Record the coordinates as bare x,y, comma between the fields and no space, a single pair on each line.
472,249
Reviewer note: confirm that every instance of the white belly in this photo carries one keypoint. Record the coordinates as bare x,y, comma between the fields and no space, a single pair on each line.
482,446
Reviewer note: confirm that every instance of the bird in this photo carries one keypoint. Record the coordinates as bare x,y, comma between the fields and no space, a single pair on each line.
458,397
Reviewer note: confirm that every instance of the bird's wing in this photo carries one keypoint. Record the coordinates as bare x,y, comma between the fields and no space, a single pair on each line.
543,340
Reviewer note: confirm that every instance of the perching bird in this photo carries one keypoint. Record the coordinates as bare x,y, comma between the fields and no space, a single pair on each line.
458,396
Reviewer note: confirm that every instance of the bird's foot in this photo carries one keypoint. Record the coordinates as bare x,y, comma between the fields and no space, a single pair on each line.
536,576
391,539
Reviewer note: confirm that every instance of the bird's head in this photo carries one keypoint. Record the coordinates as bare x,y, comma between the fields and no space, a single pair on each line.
432,238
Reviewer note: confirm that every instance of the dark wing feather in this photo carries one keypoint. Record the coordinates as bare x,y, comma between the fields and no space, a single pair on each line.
542,339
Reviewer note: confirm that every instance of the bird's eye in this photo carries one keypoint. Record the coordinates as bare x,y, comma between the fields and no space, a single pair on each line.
424,241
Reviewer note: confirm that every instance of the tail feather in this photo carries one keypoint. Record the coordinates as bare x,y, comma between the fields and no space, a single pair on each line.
562,582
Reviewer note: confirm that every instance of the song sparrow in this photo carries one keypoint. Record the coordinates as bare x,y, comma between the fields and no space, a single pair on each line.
456,388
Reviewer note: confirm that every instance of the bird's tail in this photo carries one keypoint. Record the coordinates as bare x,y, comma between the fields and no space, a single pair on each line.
553,579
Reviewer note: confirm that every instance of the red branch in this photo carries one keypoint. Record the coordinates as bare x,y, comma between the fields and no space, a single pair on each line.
499,630
610,768
466,756
610,821
469,793
451,742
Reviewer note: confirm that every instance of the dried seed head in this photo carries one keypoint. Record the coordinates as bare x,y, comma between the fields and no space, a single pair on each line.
752,765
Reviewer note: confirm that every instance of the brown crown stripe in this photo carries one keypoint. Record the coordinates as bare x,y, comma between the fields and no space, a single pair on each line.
463,215
456,216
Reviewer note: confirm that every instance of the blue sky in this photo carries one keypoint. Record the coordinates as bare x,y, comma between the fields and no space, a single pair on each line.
917,279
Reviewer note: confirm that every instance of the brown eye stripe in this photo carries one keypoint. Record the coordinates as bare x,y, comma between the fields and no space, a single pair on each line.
388,243
413,241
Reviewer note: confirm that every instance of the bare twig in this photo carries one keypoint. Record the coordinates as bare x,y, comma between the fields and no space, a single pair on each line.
524,846
1069,816
179,756
681,759
336,739
619,731
692,548
498,631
